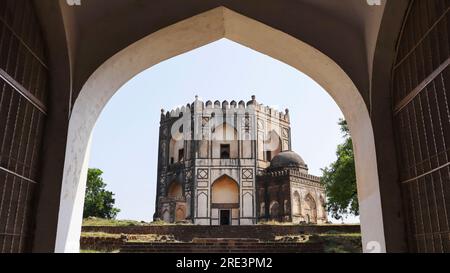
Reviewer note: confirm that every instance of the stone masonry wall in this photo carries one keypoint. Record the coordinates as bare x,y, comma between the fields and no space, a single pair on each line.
188,232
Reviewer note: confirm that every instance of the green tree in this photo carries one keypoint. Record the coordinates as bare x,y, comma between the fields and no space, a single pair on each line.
98,201
340,179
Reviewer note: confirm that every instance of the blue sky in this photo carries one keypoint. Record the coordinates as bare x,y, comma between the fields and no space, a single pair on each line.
125,138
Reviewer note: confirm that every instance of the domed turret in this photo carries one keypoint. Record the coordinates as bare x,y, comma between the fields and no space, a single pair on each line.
288,159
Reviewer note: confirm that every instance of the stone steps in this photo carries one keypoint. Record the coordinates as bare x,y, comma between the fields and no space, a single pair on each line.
222,245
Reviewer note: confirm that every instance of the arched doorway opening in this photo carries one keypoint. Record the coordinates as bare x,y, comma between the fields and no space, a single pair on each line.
224,201
173,206
188,35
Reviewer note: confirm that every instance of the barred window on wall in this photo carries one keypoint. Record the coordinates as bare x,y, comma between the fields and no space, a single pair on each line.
421,92
23,81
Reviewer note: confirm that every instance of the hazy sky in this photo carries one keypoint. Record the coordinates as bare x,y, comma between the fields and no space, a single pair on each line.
125,140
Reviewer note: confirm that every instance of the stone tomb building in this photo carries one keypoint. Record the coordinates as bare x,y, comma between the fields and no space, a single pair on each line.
231,163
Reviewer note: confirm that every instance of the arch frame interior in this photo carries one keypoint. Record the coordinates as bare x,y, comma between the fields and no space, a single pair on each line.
188,35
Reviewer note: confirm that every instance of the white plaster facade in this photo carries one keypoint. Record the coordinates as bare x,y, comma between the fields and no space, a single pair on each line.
208,141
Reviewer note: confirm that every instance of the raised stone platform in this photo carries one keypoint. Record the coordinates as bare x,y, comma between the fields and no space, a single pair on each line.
212,239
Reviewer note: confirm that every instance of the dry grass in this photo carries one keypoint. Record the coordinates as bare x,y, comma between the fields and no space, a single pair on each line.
100,235
93,221
97,222
131,237
275,223
335,242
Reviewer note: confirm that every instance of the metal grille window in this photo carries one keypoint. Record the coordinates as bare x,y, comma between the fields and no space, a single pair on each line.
23,76
421,92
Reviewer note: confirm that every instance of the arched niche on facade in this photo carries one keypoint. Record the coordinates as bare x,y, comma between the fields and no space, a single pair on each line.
323,207
175,190
310,209
225,191
296,204
180,213
274,210
166,216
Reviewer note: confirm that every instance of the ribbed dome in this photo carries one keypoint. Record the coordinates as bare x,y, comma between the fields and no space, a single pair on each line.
287,159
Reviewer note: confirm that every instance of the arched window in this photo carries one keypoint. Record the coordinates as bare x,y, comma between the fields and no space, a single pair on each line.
287,210
225,151
297,206
274,209
311,208
262,209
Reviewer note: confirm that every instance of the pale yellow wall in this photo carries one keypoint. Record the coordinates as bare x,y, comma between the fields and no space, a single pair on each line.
247,149
260,147
203,150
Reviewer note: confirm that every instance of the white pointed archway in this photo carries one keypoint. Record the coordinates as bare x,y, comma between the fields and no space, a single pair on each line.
186,36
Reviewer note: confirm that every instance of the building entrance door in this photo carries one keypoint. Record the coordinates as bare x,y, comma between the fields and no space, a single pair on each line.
225,217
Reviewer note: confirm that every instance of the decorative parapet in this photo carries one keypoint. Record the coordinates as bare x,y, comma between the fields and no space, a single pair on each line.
197,121
304,175
231,108
292,172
